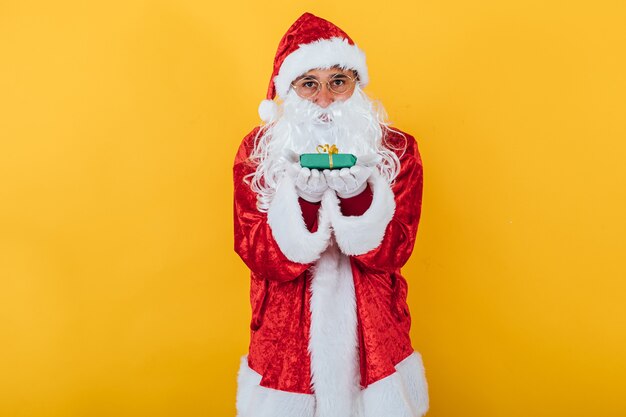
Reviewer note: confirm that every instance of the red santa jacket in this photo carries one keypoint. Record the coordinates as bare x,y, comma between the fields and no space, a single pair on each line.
282,252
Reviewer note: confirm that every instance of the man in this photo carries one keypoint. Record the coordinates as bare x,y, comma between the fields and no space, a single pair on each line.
330,323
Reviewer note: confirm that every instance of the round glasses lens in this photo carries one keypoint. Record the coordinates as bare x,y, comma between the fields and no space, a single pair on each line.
340,84
307,87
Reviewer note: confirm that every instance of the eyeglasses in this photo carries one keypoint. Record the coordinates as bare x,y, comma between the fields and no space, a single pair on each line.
309,87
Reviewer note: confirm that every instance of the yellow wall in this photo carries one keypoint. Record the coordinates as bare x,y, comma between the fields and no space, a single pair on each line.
120,294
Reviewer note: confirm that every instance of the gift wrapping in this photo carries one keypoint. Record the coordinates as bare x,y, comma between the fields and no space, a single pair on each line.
332,159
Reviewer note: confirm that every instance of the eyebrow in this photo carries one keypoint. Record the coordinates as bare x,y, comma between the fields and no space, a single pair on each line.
313,77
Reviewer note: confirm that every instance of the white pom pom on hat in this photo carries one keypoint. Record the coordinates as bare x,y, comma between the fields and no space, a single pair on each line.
311,42
268,110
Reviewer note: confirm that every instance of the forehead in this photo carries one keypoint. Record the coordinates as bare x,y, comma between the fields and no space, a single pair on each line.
322,73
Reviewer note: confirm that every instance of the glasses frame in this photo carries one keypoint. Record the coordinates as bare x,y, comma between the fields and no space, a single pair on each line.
354,80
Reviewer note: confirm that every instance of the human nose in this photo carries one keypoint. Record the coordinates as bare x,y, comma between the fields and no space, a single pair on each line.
325,97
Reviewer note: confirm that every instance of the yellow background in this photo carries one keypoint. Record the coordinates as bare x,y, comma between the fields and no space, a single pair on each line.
120,294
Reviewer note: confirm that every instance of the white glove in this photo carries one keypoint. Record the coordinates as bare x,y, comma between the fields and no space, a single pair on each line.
348,182
310,183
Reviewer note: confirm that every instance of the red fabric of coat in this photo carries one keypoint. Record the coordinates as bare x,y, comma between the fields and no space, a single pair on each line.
280,287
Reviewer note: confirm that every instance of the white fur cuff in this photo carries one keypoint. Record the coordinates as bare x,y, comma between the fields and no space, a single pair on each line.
357,235
284,217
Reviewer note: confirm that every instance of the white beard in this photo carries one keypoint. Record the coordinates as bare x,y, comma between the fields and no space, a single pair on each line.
354,125
351,124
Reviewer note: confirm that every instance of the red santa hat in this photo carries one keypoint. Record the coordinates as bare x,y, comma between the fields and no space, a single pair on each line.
311,42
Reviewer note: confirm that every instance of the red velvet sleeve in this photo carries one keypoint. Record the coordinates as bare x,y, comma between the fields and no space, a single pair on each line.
254,242
353,206
309,213
357,205
399,239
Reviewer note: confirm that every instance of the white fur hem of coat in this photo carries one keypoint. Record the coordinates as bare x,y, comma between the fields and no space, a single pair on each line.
401,394
254,400
357,235
333,340
284,217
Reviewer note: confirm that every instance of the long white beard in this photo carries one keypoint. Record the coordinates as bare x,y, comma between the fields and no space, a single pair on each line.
354,125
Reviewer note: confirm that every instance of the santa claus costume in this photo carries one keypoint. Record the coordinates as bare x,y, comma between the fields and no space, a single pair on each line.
330,322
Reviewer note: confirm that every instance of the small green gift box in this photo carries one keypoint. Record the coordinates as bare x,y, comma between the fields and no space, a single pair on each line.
332,159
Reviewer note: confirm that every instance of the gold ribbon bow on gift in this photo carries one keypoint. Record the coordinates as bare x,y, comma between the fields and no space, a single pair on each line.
330,150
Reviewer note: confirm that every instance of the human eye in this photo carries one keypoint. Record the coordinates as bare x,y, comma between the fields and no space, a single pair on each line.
340,79
307,83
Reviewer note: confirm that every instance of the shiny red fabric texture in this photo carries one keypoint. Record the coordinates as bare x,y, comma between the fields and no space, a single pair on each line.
280,288
353,206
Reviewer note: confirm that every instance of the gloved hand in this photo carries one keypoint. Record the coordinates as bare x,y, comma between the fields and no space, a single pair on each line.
348,182
310,183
